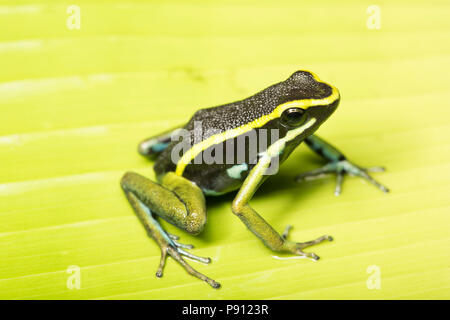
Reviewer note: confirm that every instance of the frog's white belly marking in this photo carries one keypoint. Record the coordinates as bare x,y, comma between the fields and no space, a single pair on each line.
236,170
209,192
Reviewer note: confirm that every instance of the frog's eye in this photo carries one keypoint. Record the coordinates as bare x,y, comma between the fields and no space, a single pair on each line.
293,117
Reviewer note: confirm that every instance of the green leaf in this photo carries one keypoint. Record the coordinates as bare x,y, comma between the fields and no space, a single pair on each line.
75,103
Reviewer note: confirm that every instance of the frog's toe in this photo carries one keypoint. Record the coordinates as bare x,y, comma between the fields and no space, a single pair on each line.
376,169
173,236
303,245
205,260
316,173
309,255
286,232
297,247
179,247
312,255
363,173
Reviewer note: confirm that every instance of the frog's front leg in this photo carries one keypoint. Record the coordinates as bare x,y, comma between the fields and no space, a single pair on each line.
177,201
337,164
154,145
256,224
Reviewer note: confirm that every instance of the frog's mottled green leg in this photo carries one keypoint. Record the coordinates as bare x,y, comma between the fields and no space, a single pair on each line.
256,224
177,201
153,146
338,164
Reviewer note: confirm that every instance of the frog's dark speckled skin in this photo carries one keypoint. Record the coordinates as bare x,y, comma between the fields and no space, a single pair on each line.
300,85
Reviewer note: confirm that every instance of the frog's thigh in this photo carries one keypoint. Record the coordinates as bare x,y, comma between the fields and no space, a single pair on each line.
176,199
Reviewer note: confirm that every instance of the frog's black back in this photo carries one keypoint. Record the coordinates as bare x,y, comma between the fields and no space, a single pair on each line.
301,85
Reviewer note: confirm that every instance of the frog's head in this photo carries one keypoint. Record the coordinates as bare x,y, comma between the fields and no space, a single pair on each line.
306,102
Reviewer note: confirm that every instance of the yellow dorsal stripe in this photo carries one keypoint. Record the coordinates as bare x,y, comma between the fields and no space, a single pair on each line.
254,177
229,134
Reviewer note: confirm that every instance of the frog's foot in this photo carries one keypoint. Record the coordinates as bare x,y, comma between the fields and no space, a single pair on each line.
170,246
340,168
297,247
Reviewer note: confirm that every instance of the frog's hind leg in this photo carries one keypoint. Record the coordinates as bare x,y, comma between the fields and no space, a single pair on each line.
338,164
153,146
177,201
